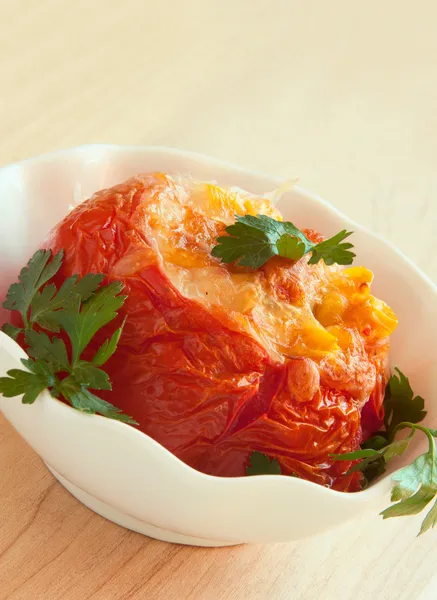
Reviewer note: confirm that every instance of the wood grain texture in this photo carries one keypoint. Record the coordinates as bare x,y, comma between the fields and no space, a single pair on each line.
342,94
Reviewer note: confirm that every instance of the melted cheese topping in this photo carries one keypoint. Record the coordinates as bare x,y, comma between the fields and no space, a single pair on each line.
321,312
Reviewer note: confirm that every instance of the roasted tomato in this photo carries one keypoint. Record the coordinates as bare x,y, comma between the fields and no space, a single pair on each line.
217,361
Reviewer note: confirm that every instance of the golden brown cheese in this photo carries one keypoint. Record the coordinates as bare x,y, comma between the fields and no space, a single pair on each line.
321,312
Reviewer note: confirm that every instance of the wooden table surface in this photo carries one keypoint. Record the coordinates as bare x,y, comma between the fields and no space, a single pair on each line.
340,93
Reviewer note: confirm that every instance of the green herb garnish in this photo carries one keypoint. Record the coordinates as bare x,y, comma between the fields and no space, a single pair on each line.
416,484
252,241
79,309
261,464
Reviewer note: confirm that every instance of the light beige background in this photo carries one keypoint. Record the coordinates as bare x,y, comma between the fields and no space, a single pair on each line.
340,93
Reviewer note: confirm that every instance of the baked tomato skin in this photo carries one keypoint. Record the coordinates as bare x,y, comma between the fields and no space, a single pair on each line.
208,392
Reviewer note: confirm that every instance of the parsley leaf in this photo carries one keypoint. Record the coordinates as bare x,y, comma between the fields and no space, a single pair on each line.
91,376
52,350
334,251
400,404
416,484
376,442
32,277
108,347
82,320
252,241
372,461
82,399
49,300
290,247
30,383
12,331
80,308
261,464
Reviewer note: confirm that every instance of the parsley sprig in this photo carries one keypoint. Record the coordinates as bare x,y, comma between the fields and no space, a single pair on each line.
416,484
252,241
79,309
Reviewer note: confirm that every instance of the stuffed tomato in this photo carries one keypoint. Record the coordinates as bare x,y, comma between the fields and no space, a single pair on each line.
217,361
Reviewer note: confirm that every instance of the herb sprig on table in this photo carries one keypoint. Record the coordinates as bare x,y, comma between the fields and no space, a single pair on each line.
252,241
416,484
79,309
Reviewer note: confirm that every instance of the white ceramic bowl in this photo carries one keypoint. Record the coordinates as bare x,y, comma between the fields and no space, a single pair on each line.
120,472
